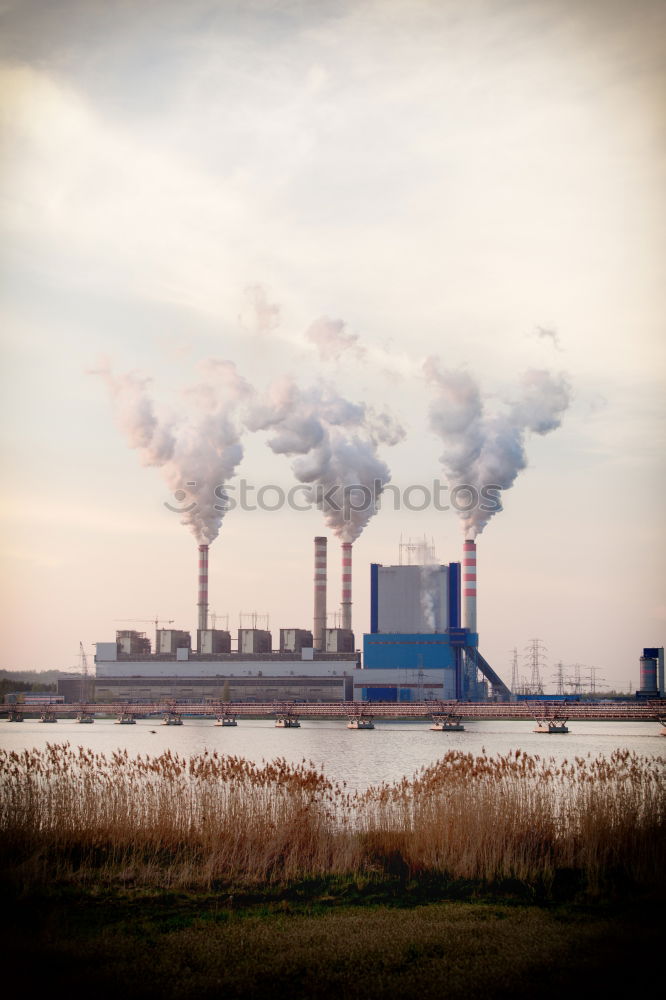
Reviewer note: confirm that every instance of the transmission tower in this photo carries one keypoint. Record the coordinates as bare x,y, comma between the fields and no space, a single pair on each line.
535,655
594,680
573,680
558,679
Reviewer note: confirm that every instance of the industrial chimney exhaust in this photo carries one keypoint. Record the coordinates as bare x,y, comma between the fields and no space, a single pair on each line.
347,585
203,587
469,585
319,624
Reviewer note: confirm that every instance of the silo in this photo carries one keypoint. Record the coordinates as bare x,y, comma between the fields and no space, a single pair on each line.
649,675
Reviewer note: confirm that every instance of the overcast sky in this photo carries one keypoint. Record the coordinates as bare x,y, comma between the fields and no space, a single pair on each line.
481,182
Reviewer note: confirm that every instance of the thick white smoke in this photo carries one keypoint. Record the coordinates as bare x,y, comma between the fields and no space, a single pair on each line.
333,443
484,450
198,451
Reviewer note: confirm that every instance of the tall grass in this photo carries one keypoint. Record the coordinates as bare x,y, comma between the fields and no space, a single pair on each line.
169,821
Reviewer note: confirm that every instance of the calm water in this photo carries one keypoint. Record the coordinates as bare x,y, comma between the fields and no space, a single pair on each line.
387,753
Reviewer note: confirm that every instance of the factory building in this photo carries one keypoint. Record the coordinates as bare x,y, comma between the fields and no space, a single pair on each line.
254,673
315,665
418,647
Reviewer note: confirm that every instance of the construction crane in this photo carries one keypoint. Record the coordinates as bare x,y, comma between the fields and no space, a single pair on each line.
147,621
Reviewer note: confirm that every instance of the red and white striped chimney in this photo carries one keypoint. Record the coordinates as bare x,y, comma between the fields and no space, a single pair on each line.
319,624
203,587
469,585
347,585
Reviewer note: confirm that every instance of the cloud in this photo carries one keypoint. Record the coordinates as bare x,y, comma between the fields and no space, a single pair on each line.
100,206
332,340
545,333
258,314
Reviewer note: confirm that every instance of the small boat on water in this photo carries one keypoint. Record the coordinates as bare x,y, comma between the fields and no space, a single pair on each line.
360,723
125,719
226,720
448,725
85,718
170,719
48,717
552,726
287,722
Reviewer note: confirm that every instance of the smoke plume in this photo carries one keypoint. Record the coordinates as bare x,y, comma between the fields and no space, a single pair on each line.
333,443
429,595
482,449
197,451
429,592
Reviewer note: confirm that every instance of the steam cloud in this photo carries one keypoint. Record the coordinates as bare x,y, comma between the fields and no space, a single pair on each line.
200,450
482,449
429,593
333,443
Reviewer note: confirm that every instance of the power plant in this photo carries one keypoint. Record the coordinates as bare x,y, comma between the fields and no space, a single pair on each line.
418,648
424,640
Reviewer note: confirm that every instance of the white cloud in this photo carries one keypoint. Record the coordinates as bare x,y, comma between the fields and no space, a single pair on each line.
90,197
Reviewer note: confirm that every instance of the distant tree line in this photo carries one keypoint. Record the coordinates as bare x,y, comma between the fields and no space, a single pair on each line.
24,680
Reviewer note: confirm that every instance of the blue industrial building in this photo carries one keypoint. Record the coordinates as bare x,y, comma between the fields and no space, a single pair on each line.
417,648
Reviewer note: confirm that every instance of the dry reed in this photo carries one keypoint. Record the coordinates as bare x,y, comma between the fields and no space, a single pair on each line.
169,821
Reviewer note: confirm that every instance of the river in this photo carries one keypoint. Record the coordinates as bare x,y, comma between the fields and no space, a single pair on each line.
391,751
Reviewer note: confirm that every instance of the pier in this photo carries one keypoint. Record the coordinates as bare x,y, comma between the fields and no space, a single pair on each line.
625,711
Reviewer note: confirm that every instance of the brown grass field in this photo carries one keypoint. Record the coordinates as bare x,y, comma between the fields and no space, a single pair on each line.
210,821
209,876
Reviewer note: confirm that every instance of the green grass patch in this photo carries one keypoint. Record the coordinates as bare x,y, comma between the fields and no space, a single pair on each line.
177,945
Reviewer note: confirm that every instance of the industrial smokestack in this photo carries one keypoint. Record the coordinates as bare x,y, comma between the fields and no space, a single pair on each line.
347,585
203,587
469,585
319,625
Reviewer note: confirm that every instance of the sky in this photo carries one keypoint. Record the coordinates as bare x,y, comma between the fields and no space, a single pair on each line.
224,224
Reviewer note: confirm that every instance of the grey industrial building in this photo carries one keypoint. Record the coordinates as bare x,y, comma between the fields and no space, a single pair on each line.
418,647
